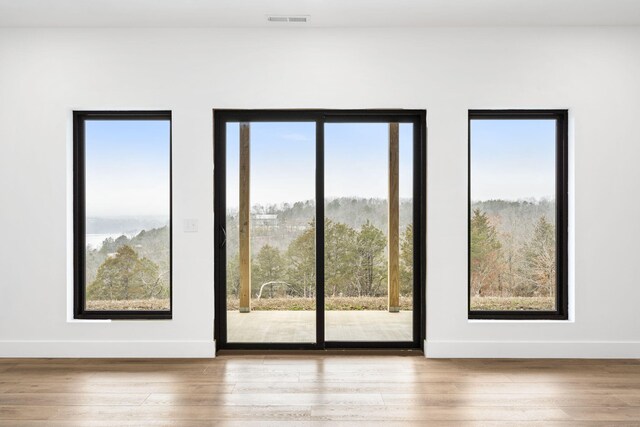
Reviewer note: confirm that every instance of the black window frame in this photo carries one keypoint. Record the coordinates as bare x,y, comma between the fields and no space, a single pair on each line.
320,116
562,209
79,216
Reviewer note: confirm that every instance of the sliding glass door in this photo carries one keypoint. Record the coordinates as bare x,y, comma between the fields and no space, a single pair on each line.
270,232
368,232
319,220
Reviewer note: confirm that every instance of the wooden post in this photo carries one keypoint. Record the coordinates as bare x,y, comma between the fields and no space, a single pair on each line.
244,217
394,219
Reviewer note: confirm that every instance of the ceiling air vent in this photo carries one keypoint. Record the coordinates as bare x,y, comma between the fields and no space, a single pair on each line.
298,19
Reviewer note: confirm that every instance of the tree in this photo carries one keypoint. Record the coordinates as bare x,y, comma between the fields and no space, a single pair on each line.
233,275
153,284
126,276
370,271
406,261
512,257
486,262
109,245
301,260
340,256
268,266
539,270
152,244
93,259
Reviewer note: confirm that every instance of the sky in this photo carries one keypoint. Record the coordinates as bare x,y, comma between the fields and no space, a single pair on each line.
283,161
127,167
127,163
512,159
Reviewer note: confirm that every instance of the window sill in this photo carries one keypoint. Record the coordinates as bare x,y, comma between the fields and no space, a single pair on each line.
72,320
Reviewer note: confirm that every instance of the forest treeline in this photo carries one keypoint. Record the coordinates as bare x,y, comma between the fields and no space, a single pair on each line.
355,263
512,253
513,249
130,268
293,218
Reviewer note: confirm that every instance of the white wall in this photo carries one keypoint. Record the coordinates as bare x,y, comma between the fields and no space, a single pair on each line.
45,74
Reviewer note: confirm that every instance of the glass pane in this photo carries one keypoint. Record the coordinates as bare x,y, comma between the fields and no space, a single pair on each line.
127,202
357,301
282,296
513,240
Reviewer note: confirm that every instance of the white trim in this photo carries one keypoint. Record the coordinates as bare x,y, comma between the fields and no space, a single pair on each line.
519,321
70,217
72,320
151,349
533,349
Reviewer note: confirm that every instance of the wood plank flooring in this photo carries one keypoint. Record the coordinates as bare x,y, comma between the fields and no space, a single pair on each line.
316,389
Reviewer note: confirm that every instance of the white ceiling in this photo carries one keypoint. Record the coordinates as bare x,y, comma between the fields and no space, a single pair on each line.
323,13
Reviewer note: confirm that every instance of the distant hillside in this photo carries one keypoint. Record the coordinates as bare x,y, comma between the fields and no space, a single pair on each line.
513,255
292,218
517,218
152,244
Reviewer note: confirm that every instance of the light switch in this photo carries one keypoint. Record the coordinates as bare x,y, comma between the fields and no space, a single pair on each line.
190,225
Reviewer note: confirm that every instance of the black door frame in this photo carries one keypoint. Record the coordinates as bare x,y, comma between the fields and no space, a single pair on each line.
320,117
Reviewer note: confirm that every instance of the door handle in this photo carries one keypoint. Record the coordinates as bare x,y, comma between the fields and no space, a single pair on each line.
224,237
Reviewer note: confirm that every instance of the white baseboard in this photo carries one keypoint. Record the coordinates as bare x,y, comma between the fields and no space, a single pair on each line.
433,349
533,349
150,349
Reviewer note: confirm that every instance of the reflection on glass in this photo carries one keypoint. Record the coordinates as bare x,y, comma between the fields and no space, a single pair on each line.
281,182
356,235
127,191
513,241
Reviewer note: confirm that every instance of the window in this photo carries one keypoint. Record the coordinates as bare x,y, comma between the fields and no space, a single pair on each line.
518,214
122,215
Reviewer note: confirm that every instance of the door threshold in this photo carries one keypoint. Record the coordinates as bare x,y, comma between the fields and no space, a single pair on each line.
328,352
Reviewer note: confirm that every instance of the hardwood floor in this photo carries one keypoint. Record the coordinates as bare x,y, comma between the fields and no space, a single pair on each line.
318,389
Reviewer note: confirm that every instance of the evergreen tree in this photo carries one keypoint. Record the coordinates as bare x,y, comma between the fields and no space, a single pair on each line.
301,261
267,266
370,271
486,265
340,257
126,276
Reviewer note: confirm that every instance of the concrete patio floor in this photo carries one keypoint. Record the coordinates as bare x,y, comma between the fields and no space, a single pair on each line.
300,326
